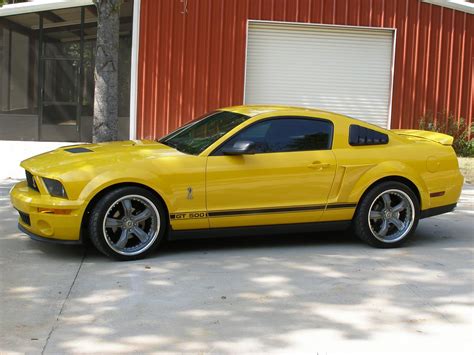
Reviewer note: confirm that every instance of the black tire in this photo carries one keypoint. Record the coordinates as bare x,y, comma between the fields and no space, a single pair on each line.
368,233
102,236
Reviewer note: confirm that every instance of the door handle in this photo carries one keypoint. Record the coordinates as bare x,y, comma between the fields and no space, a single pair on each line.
318,165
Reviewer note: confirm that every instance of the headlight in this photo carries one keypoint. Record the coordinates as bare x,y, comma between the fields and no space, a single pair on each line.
31,181
55,188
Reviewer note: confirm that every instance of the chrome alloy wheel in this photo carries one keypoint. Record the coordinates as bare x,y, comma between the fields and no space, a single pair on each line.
131,225
391,216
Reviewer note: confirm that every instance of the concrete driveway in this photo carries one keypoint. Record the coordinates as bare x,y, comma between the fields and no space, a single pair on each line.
321,293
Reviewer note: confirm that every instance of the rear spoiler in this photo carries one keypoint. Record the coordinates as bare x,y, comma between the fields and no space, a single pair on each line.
440,138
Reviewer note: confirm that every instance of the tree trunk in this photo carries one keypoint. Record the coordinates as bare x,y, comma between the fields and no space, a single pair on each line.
105,124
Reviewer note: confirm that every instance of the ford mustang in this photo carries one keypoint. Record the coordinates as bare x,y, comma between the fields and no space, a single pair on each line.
241,170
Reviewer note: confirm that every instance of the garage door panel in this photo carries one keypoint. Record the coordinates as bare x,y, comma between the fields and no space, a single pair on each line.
338,69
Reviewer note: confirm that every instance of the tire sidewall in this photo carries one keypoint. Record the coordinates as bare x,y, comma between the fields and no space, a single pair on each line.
96,233
361,223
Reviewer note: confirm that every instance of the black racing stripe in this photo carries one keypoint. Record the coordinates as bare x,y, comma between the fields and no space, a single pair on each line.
342,205
265,210
189,215
229,213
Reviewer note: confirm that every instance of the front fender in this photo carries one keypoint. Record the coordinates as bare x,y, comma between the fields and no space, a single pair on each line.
109,178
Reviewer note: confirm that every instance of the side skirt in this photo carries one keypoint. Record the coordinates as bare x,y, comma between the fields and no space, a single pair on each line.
257,230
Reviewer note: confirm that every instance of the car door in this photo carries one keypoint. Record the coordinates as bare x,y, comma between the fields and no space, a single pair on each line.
287,179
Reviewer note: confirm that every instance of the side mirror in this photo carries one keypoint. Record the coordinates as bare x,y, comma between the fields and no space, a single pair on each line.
240,148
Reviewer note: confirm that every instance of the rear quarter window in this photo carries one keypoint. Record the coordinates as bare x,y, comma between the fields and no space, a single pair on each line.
359,136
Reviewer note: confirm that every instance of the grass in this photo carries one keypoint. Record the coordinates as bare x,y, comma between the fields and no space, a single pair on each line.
466,165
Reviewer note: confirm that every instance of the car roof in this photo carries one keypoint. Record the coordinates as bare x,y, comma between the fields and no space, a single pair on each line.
254,110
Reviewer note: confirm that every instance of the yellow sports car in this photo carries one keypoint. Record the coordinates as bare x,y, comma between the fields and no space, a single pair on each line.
240,170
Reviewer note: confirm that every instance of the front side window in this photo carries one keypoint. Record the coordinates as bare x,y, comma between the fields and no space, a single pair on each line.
285,134
196,136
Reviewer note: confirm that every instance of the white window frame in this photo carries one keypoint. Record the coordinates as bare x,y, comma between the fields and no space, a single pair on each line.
45,5
134,70
37,6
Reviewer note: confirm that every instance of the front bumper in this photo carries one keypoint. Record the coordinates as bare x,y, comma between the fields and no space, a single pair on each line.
46,217
48,240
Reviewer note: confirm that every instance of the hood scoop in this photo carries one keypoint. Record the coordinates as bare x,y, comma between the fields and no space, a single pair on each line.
77,150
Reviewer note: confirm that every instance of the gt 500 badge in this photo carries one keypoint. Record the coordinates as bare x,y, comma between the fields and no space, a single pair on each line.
189,215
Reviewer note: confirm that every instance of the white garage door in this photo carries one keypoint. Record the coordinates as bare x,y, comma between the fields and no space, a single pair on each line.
341,69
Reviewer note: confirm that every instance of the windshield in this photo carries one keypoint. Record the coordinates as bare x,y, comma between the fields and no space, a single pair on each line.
199,134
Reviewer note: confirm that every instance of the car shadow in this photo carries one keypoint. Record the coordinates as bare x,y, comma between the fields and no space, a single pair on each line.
256,241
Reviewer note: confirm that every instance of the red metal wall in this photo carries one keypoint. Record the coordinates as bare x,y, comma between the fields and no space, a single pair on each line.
192,61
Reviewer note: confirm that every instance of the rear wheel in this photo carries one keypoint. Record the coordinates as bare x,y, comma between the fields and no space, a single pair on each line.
127,223
387,215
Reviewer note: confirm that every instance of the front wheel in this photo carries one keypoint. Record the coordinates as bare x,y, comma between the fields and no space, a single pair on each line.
127,223
387,215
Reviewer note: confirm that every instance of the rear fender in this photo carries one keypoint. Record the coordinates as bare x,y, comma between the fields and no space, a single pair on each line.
385,170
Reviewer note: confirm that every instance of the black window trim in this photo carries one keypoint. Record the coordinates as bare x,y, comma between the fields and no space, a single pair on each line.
331,138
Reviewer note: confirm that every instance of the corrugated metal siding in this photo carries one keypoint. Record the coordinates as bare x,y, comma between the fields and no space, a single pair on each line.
193,61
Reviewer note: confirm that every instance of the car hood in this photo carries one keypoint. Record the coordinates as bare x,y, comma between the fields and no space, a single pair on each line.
90,156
